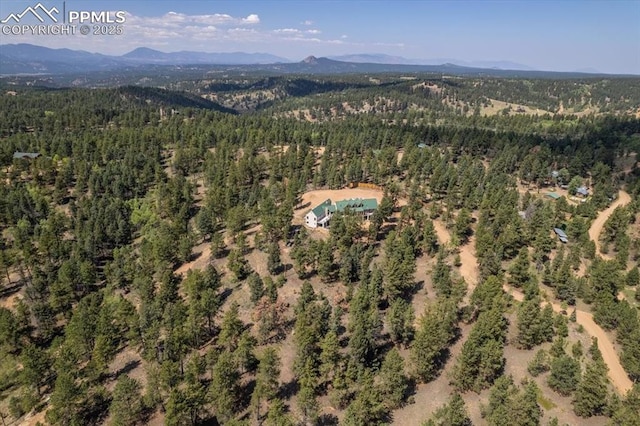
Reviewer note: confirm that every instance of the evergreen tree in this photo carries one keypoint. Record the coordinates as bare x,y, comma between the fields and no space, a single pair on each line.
539,364
274,263
453,413
256,287
565,375
590,398
368,407
231,328
266,379
400,319
429,349
392,382
519,270
223,390
525,408
126,407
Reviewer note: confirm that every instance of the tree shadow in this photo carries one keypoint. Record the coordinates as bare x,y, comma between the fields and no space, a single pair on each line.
287,390
303,206
127,368
328,420
11,290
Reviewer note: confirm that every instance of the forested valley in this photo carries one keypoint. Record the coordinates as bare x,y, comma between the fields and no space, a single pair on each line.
155,266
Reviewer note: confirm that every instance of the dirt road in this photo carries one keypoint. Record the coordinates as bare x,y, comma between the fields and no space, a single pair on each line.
617,375
469,271
597,225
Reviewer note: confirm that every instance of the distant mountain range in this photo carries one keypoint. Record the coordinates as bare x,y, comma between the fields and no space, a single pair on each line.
16,59
388,59
30,59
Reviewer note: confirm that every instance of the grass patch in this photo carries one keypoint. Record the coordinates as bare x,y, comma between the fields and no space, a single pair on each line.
545,402
630,295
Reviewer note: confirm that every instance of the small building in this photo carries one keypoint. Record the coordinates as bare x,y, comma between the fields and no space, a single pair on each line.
26,155
553,195
582,191
562,236
320,215
555,174
422,145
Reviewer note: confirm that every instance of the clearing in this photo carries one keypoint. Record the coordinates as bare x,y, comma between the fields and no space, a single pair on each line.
312,198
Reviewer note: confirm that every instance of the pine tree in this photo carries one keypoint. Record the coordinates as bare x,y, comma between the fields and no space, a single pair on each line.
400,319
626,413
231,328
266,379
367,408
330,355
428,352
256,287
497,411
277,415
525,408
519,269
590,398
539,364
453,413
126,407
325,262
529,324
392,383
565,375
223,390
429,238
274,263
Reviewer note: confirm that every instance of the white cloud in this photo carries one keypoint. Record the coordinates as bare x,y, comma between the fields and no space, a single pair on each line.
175,31
287,31
251,19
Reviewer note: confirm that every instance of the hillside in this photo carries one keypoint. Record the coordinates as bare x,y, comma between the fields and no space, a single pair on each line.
157,265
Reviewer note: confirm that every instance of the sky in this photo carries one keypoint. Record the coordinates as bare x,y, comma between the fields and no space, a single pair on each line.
564,35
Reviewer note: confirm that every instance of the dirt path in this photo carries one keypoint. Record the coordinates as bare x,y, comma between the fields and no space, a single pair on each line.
441,231
617,375
469,271
597,225
469,264
203,255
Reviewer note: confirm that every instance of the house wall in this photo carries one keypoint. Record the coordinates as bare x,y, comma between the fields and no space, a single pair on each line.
311,220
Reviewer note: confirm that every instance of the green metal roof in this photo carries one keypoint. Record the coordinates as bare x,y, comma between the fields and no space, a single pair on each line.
553,195
321,208
357,204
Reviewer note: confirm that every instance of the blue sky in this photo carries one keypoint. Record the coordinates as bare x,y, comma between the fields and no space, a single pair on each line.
560,35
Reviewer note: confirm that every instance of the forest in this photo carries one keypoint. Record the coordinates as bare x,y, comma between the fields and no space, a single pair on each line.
155,267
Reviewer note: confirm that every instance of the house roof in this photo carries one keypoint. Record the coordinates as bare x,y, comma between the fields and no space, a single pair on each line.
553,195
320,209
18,154
562,236
560,232
357,204
582,190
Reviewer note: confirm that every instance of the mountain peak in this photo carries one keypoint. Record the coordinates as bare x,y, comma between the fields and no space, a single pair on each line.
310,60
